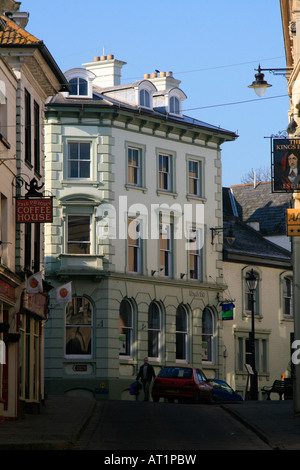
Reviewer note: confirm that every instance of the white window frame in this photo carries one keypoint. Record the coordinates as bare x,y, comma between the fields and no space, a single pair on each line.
185,334
134,244
79,241
211,336
128,328
195,251
144,98
284,295
166,231
155,331
137,168
78,160
84,74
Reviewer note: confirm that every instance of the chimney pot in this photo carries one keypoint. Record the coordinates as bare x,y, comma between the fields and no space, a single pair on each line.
162,74
146,75
103,57
96,58
153,75
110,57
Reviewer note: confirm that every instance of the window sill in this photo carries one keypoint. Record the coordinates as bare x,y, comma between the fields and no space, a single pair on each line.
83,181
129,186
164,192
196,198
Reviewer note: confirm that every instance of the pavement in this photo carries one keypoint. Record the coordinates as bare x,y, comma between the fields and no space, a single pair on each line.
63,419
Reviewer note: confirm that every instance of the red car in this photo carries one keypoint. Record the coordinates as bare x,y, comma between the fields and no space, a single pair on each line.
182,383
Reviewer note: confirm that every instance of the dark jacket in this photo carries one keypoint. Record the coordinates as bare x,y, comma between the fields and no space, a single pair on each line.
150,373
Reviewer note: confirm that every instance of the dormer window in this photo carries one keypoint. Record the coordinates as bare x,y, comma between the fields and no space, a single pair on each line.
145,98
174,105
80,81
79,86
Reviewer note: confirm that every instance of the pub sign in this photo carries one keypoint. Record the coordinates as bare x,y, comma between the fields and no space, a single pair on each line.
286,165
34,210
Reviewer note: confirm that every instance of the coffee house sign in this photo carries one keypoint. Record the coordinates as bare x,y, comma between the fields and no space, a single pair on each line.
34,207
34,210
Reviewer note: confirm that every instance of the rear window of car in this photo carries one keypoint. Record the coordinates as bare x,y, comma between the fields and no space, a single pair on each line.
176,373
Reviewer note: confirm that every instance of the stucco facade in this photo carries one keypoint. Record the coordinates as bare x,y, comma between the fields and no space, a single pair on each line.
157,194
28,74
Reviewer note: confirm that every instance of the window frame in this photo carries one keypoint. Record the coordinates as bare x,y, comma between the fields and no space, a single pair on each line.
135,247
88,216
27,127
78,85
37,138
167,251
287,296
196,253
210,335
175,105
242,344
130,329
171,174
78,160
155,331
182,334
89,354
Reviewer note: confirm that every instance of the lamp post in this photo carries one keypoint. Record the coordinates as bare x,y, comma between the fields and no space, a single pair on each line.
251,280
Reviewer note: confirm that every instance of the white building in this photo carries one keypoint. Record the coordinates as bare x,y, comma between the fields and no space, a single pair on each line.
137,188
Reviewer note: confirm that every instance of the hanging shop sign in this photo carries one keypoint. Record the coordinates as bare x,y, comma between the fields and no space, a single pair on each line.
34,207
34,210
293,222
286,165
227,311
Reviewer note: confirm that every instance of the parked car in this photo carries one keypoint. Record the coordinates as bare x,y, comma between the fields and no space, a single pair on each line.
223,392
183,384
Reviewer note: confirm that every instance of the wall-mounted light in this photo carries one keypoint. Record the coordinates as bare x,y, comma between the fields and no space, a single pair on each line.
154,271
260,85
182,275
229,237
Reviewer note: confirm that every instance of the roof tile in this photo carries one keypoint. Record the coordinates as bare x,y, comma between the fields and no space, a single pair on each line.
12,34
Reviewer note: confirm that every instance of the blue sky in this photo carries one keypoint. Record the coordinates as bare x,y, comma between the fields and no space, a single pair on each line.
213,47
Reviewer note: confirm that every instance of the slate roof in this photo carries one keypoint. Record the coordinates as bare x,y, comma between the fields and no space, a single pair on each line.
103,100
257,204
251,246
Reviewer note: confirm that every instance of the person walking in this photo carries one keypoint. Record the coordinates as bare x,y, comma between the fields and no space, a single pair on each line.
146,373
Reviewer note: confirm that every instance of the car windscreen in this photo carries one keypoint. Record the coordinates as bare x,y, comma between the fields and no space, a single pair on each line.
176,373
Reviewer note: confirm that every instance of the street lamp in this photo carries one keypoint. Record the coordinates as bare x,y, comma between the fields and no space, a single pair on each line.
260,85
251,280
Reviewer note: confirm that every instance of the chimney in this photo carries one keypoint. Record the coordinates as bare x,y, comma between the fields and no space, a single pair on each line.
106,69
164,80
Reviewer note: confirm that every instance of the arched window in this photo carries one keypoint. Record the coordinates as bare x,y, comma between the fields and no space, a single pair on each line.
288,296
154,330
207,335
126,328
79,316
144,98
174,105
79,86
181,333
